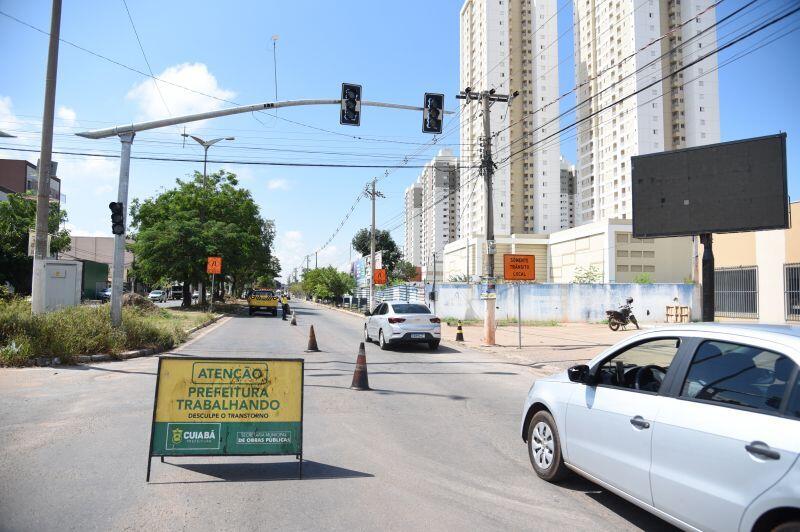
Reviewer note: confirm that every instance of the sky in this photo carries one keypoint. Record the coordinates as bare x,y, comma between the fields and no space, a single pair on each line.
396,50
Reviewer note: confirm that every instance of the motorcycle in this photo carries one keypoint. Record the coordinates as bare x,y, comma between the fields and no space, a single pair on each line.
622,317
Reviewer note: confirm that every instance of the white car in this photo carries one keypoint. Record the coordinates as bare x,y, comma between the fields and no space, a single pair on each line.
157,295
698,424
397,322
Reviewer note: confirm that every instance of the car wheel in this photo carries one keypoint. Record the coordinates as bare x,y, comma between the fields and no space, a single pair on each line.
433,345
544,448
366,335
250,311
382,341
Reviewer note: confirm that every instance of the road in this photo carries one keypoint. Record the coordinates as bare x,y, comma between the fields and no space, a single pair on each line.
435,446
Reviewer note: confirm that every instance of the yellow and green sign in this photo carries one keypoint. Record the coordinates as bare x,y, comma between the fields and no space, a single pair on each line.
223,406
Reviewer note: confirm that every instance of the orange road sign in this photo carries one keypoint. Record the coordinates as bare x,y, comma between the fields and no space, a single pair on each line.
519,267
214,265
380,276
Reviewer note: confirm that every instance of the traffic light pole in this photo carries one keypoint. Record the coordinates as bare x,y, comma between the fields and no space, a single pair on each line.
126,134
487,167
119,240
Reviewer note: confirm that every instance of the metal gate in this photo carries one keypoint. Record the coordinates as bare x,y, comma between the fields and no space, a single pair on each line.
791,284
736,292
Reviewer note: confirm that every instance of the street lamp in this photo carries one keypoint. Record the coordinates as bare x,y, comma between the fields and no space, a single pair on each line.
206,144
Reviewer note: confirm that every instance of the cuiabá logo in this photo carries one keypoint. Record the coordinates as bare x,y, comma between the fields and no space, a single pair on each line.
177,435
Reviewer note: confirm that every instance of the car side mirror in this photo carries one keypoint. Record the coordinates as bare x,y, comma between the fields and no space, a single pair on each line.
367,313
580,373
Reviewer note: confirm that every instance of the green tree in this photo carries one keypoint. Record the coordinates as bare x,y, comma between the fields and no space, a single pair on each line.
17,217
403,271
587,275
327,283
171,241
383,242
643,278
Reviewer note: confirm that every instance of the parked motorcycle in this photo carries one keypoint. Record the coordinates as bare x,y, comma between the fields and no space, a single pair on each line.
622,317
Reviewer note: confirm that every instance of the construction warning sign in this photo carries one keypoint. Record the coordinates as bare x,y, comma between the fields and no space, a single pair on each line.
214,265
519,267
222,406
380,276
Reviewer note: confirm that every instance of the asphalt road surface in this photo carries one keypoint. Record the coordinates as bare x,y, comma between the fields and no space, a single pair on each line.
434,446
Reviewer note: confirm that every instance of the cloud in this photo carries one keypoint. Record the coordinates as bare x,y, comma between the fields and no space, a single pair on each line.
67,115
278,184
180,101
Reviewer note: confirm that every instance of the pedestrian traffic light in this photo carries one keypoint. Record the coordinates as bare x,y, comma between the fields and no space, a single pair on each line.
117,218
350,114
432,113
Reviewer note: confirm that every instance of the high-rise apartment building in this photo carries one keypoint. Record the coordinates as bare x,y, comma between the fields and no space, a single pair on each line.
567,194
511,46
413,209
619,49
439,182
431,211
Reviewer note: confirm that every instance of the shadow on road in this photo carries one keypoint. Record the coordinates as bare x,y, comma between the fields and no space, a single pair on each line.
627,510
84,367
264,472
393,392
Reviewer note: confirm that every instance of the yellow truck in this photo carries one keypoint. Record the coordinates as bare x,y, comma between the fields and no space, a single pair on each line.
260,299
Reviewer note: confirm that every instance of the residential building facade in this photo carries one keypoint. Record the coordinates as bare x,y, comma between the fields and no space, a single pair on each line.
619,50
20,177
412,251
567,202
508,46
439,185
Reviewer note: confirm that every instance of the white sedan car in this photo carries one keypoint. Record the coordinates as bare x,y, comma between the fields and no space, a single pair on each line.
158,295
698,424
396,322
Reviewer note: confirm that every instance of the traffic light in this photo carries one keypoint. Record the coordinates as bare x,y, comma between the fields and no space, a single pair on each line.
433,113
350,114
117,218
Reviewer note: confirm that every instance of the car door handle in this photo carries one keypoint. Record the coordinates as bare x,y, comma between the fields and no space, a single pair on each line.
639,422
763,450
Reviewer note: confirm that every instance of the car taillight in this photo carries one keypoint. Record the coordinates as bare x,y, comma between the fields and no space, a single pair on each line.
396,320
435,320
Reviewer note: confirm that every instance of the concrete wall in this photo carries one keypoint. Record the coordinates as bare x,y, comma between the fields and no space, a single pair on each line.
565,302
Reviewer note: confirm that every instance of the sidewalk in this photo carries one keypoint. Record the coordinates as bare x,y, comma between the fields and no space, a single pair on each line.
551,347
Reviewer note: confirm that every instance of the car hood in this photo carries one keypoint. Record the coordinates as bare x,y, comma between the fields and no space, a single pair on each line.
558,377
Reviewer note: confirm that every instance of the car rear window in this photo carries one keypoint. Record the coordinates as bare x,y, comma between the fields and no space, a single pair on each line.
262,292
410,308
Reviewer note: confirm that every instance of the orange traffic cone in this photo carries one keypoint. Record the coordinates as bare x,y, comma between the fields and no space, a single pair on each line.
312,341
459,333
360,376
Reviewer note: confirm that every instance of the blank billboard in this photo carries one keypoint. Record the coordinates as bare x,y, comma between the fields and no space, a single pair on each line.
719,188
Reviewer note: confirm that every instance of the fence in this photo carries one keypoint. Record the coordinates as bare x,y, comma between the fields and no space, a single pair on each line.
791,277
564,302
736,292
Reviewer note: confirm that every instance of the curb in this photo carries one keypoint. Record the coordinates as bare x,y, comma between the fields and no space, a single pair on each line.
125,355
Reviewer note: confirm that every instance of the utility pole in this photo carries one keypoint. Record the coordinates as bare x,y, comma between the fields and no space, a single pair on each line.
316,259
371,193
308,262
206,144
487,168
45,164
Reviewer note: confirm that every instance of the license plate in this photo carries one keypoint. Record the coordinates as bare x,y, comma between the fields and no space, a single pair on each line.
417,335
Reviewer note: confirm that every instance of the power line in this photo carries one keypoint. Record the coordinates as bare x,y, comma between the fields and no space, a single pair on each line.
215,161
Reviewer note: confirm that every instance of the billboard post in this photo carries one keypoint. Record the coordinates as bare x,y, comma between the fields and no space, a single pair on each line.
519,268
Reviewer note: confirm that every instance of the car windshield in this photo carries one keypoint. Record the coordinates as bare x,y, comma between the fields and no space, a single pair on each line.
410,308
262,292
157,292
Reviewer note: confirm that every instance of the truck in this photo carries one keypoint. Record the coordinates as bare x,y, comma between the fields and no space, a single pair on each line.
176,291
262,299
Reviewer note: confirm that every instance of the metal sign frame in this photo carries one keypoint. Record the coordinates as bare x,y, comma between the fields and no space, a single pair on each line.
298,455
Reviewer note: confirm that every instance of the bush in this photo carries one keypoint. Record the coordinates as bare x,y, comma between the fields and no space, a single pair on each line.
84,330
139,301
